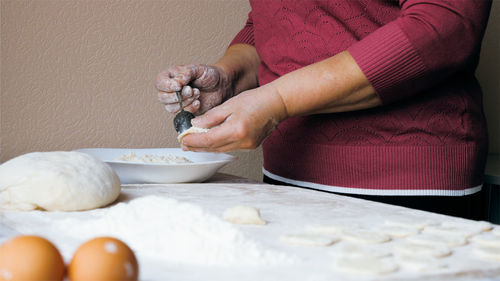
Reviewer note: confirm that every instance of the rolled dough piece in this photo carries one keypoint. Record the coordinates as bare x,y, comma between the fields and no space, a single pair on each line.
447,230
364,236
416,264
57,181
487,240
192,130
365,265
409,249
330,228
491,254
438,240
479,226
350,250
243,215
399,231
316,240
496,231
410,223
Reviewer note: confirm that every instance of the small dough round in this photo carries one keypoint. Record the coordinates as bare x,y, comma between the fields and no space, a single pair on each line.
399,231
490,254
192,130
316,240
364,236
451,231
465,229
365,265
410,223
330,228
438,240
487,240
57,181
417,264
243,215
409,249
476,226
358,251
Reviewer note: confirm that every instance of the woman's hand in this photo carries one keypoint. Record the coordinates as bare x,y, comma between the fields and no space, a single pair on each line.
202,86
241,122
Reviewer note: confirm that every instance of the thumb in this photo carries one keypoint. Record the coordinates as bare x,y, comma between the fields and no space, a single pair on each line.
211,118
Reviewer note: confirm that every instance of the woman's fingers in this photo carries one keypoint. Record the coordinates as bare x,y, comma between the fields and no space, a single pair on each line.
212,117
242,122
215,139
202,87
189,95
175,107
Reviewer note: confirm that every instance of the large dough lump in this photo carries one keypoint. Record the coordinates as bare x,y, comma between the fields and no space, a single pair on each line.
57,181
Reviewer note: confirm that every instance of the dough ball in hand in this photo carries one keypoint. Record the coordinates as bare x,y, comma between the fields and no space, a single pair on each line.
243,215
57,181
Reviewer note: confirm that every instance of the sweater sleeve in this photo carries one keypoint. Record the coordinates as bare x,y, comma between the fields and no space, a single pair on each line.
245,36
428,42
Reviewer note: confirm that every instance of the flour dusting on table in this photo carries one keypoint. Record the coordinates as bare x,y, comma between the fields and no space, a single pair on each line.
167,230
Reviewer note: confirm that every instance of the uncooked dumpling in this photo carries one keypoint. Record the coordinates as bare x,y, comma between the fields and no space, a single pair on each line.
57,181
243,215
192,130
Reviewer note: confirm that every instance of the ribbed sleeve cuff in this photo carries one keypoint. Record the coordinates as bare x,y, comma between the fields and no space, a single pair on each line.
245,36
390,62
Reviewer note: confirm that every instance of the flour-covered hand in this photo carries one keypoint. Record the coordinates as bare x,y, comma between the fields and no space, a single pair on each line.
202,86
241,122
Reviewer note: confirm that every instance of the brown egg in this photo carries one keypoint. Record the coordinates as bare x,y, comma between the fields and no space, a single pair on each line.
30,258
103,258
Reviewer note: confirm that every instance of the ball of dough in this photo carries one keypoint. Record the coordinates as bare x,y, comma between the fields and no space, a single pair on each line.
243,215
57,181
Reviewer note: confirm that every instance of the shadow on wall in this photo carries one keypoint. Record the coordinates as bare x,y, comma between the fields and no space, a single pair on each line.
488,73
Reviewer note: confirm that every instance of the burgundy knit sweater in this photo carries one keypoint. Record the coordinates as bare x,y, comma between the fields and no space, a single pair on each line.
428,138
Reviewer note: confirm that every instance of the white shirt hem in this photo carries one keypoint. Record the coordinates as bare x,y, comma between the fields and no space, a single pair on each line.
367,191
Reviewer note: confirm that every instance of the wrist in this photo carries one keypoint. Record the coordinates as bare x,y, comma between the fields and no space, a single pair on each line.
278,106
226,80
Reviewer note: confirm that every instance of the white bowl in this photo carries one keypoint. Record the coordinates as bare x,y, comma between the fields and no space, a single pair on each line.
204,165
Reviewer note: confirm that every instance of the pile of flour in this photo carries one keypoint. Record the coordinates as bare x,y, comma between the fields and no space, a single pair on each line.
166,230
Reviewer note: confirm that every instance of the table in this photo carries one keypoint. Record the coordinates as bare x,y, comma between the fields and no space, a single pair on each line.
288,210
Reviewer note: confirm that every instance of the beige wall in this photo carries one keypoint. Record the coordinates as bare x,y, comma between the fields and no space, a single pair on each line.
80,73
